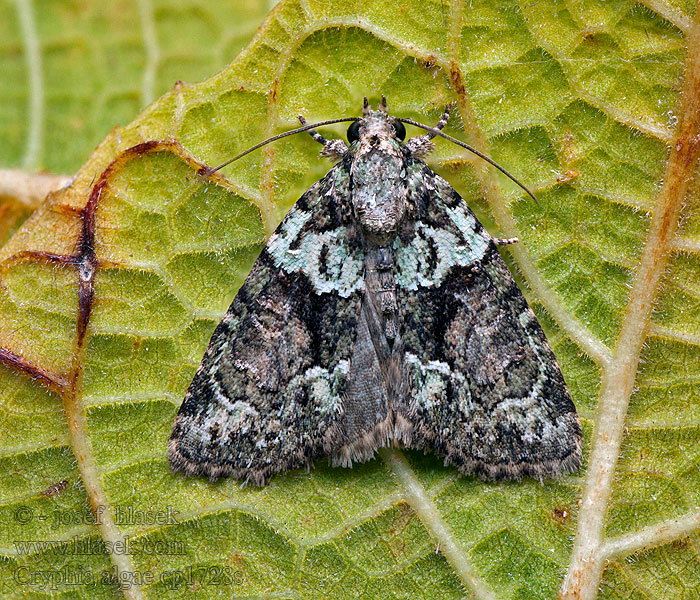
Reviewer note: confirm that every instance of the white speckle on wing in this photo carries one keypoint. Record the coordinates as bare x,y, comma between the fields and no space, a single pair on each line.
342,271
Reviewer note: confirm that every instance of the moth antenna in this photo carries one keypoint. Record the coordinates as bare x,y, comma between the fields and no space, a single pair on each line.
382,105
317,137
209,171
435,131
366,107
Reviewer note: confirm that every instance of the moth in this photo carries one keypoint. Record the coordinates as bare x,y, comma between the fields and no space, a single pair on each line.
379,313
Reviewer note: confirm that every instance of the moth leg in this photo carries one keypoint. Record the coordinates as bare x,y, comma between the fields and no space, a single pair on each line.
505,241
331,148
442,122
422,145
313,133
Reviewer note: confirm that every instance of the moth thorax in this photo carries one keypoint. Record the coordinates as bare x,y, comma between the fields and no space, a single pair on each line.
379,193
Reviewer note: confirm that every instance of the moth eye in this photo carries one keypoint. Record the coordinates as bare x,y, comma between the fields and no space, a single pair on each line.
354,132
400,130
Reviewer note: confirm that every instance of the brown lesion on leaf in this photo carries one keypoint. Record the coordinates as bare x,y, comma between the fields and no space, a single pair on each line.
85,259
681,544
402,517
53,381
458,83
568,158
561,514
37,256
429,63
567,176
55,488
274,89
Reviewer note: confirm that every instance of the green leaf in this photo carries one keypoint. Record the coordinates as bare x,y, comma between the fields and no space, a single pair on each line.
110,291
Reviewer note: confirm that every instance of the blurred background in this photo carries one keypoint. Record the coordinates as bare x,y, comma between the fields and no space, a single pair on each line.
71,70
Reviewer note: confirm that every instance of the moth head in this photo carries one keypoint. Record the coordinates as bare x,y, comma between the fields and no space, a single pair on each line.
376,123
